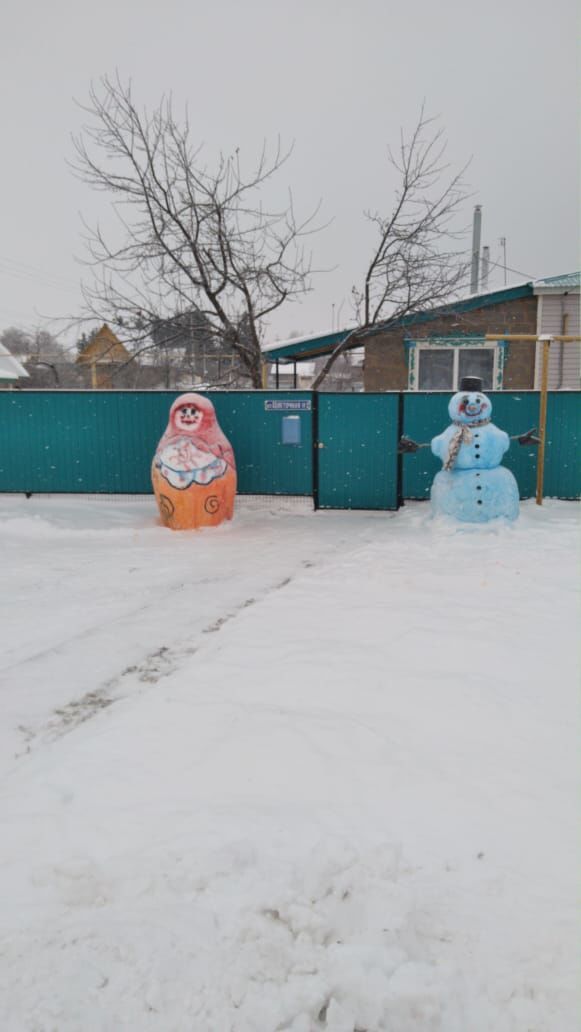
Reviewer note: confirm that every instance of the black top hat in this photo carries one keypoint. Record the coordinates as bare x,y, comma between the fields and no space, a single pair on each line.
470,383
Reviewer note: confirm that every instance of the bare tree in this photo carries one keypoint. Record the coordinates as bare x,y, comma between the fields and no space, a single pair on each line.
416,264
34,343
191,237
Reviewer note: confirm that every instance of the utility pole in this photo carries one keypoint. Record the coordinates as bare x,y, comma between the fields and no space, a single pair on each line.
476,229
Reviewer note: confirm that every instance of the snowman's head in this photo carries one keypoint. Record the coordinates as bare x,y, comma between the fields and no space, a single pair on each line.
469,407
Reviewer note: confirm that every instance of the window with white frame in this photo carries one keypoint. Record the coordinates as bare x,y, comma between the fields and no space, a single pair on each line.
439,364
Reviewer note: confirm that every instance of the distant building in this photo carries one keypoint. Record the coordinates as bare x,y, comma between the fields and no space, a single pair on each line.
11,369
103,355
291,375
190,350
288,372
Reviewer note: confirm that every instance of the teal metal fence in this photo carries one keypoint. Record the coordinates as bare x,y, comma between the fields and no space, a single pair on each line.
563,450
426,414
103,442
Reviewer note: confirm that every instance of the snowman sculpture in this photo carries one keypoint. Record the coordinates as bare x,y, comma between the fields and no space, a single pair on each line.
473,486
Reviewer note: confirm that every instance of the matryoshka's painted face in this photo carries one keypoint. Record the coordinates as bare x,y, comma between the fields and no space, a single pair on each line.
469,407
188,417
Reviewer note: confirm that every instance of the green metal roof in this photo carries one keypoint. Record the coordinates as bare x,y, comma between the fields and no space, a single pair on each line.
306,347
311,347
568,281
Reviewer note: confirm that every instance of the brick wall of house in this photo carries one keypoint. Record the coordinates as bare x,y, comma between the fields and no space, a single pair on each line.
386,358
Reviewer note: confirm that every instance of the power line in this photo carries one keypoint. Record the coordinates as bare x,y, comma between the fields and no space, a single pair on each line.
45,280
501,265
27,269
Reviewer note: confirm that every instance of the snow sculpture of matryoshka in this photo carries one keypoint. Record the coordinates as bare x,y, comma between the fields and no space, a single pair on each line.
193,470
472,486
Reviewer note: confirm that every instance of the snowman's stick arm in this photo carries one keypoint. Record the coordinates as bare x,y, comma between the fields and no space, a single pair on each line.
407,446
528,438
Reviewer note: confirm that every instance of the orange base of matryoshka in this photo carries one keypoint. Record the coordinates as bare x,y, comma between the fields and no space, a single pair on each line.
199,505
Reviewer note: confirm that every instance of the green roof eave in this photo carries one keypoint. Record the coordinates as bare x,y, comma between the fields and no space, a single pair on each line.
311,348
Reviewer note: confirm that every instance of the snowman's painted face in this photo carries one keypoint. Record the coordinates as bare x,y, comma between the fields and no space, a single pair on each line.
188,417
469,407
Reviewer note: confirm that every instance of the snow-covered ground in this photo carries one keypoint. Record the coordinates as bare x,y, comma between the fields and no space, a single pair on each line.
303,772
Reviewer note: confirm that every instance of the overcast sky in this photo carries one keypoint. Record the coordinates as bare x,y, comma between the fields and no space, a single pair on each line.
337,77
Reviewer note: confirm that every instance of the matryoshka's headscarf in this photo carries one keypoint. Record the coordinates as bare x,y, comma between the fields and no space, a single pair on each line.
207,435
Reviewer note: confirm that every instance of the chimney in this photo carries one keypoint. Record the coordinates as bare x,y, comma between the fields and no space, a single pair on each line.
476,228
485,267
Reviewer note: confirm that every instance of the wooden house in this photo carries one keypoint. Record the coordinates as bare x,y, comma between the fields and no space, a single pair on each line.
104,355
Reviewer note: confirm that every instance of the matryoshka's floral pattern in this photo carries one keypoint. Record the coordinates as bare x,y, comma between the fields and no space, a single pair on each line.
182,464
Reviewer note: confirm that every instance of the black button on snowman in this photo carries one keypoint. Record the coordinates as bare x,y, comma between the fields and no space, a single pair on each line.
472,486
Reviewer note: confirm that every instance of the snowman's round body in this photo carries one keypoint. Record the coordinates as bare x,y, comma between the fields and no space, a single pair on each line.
473,486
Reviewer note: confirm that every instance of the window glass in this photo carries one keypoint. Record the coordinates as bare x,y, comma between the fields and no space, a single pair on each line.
436,369
477,362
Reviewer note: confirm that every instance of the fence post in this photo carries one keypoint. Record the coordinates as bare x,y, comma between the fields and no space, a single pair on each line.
315,440
546,341
399,467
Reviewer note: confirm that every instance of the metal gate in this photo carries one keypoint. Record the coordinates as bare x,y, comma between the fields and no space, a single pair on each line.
356,451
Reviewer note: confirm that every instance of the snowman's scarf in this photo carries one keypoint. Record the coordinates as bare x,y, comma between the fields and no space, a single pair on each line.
461,436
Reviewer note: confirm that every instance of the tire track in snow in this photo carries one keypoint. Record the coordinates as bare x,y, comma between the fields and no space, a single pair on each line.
95,629
56,665
157,664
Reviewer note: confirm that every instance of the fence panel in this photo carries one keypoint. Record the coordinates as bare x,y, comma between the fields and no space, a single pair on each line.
104,441
563,450
426,414
254,423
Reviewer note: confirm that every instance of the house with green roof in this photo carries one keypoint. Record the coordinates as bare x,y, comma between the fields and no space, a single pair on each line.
433,350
